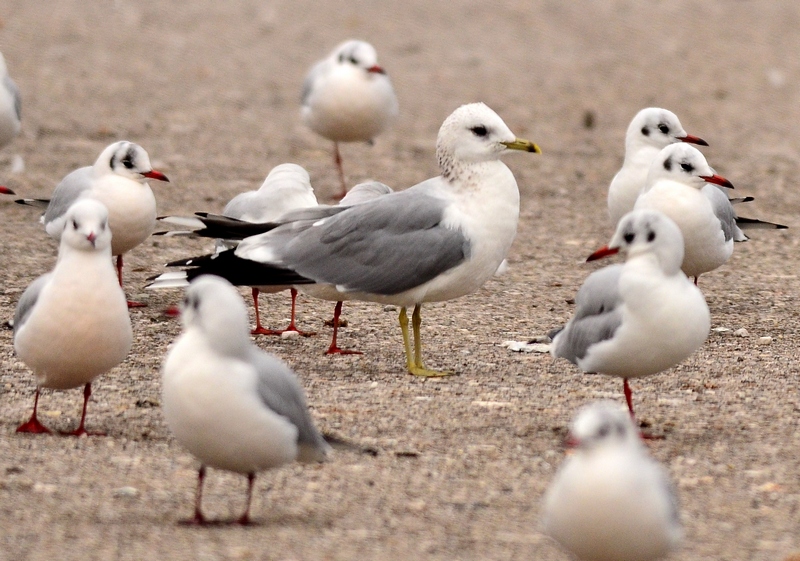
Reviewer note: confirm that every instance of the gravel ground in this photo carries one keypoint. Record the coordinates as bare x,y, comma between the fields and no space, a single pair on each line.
458,465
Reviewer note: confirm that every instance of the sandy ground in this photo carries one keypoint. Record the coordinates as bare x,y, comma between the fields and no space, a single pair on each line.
211,90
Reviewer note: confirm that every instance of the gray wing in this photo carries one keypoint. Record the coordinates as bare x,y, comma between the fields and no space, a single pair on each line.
386,246
67,192
311,77
11,86
28,301
723,210
279,389
597,315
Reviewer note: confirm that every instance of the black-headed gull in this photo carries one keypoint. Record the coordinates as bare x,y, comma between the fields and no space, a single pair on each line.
348,97
287,187
683,186
229,403
610,501
439,240
118,179
639,318
72,324
650,130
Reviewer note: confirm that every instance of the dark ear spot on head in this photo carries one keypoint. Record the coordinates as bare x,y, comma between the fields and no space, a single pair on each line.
668,164
645,131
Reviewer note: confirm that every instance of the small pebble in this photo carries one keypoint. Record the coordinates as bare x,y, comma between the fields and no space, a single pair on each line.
126,492
741,332
765,340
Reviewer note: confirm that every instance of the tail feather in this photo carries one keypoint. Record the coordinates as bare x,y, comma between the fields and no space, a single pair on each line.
753,224
238,271
36,203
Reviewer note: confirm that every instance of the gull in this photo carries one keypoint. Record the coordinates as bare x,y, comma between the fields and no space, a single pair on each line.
650,130
610,501
639,318
72,324
348,97
229,403
287,187
118,179
683,186
439,240
10,106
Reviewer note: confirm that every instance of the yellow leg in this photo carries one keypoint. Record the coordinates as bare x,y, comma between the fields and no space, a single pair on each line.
406,342
417,368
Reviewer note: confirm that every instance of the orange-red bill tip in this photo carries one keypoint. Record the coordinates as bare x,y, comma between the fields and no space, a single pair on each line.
692,139
604,251
717,180
153,174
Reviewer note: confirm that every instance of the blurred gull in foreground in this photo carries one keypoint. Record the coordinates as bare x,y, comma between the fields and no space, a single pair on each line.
230,404
610,501
72,324
439,240
348,97
639,318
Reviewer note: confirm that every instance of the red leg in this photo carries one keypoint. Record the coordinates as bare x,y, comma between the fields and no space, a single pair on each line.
81,430
628,397
244,519
334,348
337,158
198,519
292,326
259,329
33,425
629,400
131,303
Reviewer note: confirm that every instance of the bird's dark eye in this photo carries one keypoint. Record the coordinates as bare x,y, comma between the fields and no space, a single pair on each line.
353,60
688,168
127,161
603,431
75,224
645,131
103,224
651,235
663,128
668,164
629,237
480,130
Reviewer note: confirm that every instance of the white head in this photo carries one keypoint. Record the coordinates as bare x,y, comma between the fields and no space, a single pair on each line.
643,232
474,133
603,424
358,54
127,160
86,227
685,164
214,307
658,128
291,174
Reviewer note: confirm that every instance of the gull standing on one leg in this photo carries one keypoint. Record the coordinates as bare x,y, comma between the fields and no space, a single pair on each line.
639,318
348,97
118,179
